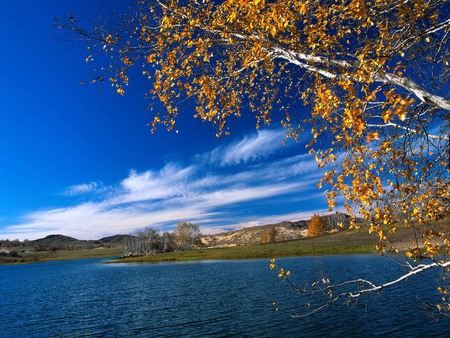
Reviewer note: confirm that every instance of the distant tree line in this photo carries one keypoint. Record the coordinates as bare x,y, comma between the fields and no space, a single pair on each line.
43,246
9,244
149,241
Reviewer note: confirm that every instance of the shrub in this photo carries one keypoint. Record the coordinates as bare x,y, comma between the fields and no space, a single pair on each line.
13,253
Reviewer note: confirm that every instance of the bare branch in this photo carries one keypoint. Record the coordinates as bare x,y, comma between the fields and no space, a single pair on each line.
414,271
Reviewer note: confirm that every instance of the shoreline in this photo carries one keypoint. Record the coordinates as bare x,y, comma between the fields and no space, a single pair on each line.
346,242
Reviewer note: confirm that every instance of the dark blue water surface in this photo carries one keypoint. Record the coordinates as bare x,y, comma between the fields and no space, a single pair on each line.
206,299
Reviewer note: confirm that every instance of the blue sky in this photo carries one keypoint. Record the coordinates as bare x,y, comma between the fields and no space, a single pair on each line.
80,160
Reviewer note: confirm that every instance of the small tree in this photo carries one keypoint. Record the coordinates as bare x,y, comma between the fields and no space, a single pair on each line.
316,226
14,253
269,234
187,234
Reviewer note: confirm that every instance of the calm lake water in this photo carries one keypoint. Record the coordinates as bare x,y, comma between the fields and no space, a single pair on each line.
205,299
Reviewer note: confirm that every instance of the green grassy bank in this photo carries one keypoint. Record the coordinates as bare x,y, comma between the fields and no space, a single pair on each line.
31,256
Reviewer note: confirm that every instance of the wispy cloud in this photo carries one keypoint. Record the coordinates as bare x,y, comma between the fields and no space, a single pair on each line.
83,188
230,186
170,181
251,148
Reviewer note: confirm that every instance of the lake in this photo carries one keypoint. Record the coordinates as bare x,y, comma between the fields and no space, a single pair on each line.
206,299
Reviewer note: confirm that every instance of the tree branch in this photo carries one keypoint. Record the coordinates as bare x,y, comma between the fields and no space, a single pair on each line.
395,125
414,88
414,271
303,60
334,292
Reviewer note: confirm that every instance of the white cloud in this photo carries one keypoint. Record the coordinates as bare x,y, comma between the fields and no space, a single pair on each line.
83,188
254,147
241,194
197,191
250,148
168,182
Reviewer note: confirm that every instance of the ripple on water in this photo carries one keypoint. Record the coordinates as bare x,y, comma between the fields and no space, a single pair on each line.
219,299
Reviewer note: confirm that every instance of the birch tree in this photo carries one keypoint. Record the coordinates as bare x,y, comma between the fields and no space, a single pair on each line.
151,241
168,241
187,235
367,79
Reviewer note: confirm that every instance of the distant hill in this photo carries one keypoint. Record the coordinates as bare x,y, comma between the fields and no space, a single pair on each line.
55,239
116,240
59,242
285,231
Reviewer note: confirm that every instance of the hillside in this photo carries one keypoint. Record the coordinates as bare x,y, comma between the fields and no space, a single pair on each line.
61,242
284,231
112,241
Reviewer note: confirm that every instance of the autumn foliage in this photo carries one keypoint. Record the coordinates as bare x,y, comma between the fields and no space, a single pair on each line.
316,227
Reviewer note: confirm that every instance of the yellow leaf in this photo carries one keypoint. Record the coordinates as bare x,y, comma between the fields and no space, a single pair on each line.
151,58
372,136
